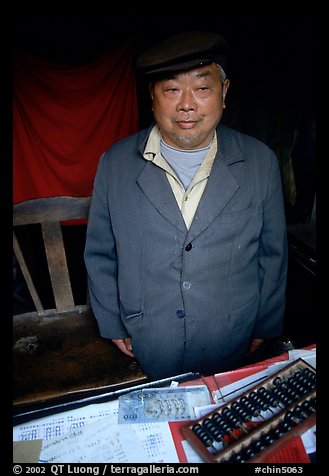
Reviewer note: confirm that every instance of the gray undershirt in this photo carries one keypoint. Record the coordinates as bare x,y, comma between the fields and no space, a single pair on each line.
185,163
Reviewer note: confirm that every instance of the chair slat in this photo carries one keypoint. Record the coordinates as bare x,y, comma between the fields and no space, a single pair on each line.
57,265
27,275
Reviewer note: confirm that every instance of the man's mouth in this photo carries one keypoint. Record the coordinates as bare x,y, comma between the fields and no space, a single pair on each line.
186,124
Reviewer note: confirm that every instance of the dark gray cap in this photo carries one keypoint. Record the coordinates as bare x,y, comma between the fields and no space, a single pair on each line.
183,51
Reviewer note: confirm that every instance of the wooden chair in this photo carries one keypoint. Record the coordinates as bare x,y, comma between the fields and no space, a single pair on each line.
57,347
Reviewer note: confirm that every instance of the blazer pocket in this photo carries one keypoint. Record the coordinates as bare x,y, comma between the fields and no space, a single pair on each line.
234,215
136,315
244,316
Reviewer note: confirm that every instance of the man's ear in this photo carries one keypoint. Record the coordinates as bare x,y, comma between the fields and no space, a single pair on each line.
224,92
151,89
226,85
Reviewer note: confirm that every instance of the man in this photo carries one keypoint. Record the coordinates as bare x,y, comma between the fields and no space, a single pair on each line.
186,244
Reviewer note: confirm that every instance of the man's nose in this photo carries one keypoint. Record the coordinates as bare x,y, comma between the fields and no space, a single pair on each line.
186,101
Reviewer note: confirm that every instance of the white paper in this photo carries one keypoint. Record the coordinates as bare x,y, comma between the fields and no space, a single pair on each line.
191,455
309,440
103,442
57,425
92,434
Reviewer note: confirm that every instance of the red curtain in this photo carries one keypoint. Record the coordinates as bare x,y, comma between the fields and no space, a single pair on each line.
65,117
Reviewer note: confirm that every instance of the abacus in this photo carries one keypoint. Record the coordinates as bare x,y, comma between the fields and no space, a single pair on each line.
254,425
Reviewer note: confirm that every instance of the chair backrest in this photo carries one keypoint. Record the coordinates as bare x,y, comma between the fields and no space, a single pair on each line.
50,213
57,348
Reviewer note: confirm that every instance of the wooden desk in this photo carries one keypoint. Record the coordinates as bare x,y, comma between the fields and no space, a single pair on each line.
293,452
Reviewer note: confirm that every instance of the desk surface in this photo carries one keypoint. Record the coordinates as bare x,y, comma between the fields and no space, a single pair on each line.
165,440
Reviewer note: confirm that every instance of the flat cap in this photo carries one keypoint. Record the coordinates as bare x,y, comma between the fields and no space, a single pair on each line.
183,51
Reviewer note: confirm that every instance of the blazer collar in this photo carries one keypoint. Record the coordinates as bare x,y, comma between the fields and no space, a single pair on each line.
220,188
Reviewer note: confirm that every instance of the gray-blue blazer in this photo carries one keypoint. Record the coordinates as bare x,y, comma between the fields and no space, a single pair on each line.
190,299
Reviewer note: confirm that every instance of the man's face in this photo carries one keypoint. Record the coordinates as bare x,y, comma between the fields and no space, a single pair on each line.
188,106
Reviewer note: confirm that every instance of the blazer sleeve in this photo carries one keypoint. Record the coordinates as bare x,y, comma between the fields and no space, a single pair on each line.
273,257
101,259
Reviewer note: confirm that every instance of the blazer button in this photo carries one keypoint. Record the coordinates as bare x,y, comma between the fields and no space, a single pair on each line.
188,247
180,314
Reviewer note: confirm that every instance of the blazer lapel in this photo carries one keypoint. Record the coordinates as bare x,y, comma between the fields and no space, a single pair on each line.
154,184
219,190
221,185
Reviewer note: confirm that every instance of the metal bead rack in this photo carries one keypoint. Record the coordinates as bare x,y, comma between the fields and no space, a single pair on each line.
254,425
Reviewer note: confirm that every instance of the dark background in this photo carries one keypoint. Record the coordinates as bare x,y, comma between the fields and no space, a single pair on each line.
272,69
272,57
